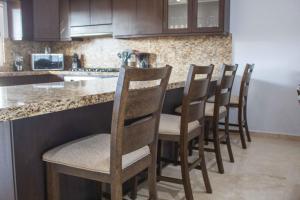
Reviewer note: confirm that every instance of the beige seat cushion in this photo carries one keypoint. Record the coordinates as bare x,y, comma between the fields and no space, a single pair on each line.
170,125
91,153
234,100
209,109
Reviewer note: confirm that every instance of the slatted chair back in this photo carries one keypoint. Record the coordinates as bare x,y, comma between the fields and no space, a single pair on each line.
136,112
224,87
195,95
246,81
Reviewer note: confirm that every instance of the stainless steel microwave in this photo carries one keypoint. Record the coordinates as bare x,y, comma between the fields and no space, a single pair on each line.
47,62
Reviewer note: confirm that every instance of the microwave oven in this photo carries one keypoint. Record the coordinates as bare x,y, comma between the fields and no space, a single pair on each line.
47,62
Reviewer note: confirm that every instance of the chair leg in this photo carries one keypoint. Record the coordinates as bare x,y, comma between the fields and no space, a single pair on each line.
176,153
185,170
53,190
246,124
134,183
191,144
203,164
206,131
205,176
228,143
217,148
116,189
152,177
241,130
159,146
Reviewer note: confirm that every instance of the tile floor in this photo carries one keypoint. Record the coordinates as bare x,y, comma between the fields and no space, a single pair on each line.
268,170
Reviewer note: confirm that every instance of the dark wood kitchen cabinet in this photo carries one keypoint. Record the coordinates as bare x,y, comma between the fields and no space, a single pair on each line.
137,17
90,17
80,12
20,19
196,16
39,20
142,18
101,12
50,20
46,19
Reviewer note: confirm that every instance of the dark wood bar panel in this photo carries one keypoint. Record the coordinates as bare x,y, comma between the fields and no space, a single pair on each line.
7,178
23,142
34,136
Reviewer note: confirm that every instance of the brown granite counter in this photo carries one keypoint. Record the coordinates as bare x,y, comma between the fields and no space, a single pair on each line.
63,73
30,100
23,73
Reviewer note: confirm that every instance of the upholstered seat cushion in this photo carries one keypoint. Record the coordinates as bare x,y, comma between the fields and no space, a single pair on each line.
91,153
170,125
234,100
209,109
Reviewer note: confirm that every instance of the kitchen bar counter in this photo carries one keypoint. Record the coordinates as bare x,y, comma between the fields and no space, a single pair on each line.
36,99
63,73
36,118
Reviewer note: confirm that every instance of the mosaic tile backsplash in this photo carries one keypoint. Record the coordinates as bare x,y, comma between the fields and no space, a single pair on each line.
178,52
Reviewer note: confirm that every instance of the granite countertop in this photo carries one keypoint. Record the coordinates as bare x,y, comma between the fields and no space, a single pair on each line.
65,73
30,100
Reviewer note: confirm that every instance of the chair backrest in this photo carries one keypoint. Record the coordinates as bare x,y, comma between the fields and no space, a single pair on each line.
245,82
195,95
224,87
136,112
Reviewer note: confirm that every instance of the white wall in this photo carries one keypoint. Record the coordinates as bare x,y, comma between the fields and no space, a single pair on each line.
1,33
267,33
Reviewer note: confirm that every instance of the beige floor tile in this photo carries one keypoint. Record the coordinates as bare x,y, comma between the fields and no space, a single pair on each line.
268,170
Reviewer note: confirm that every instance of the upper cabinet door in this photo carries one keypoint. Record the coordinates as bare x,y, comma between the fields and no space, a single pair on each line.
101,12
149,17
196,16
80,12
134,18
64,9
210,15
15,26
177,14
46,20
124,20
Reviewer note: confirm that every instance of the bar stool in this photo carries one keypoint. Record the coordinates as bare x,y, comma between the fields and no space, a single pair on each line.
298,91
129,149
189,126
240,102
218,110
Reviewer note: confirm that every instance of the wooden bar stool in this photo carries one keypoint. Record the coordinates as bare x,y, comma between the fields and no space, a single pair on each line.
183,129
240,102
218,110
298,91
129,149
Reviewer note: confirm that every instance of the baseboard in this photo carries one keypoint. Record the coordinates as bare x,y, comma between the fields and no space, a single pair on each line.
274,135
